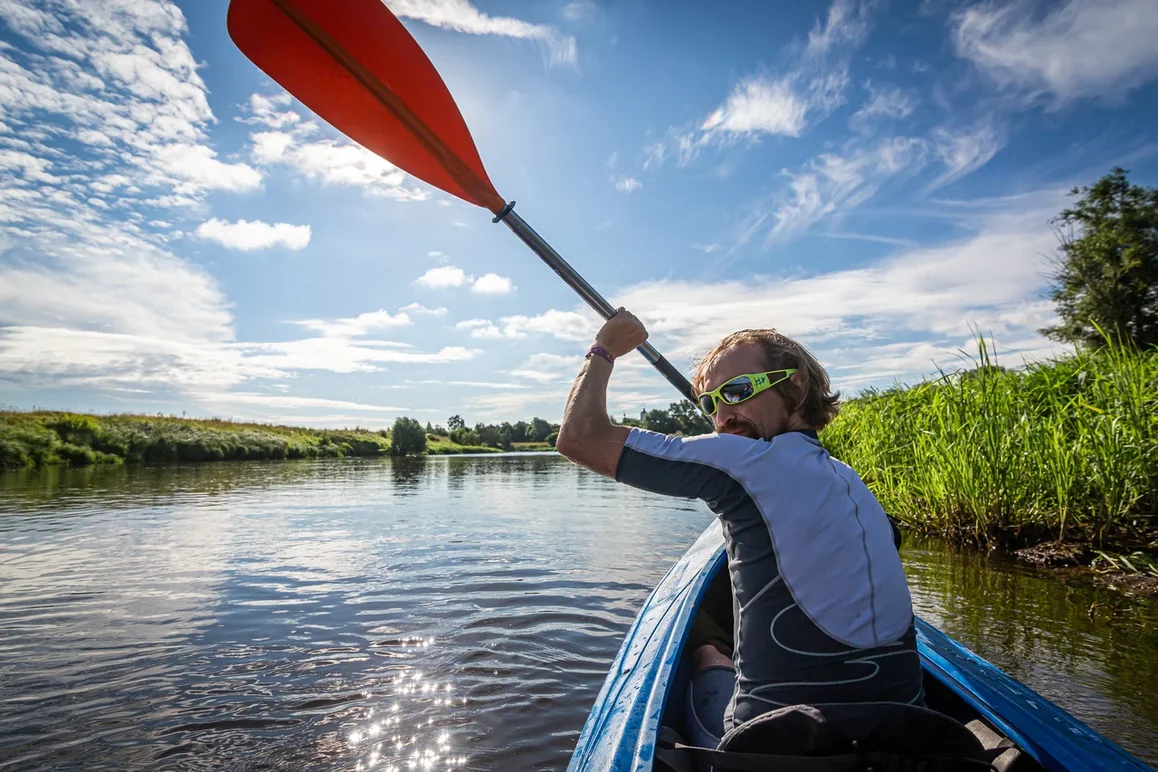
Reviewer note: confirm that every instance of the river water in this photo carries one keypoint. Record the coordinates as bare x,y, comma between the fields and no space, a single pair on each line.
338,614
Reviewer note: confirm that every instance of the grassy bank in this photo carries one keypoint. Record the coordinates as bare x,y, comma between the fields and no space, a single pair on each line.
47,438
1060,451
31,440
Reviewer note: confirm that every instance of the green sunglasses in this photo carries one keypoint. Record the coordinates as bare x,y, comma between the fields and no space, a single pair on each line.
741,389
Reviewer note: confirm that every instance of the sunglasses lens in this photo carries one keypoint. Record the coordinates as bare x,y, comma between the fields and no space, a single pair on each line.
707,404
736,391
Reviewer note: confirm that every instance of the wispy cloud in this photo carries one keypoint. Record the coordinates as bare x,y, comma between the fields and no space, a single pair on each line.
418,308
848,24
92,293
832,182
1061,51
626,184
564,325
361,324
926,295
248,236
885,102
965,150
782,104
461,16
578,10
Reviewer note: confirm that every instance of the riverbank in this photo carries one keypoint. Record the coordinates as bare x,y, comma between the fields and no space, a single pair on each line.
34,440
1056,463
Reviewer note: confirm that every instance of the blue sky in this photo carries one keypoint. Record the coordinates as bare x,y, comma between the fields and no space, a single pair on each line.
178,235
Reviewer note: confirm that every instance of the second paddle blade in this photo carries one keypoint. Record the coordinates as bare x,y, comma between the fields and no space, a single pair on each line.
355,65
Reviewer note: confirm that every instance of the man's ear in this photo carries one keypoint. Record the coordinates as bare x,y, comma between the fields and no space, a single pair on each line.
799,381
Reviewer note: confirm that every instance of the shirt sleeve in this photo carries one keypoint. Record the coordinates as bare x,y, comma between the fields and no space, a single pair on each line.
688,467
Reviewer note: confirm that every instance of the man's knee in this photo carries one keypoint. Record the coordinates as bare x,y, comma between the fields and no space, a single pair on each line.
710,656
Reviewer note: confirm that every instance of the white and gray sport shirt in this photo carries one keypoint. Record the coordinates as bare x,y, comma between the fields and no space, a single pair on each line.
822,609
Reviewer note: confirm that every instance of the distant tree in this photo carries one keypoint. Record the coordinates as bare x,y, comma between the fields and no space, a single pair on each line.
539,430
429,428
465,437
552,437
519,431
455,422
660,421
488,434
505,436
1107,277
407,437
689,418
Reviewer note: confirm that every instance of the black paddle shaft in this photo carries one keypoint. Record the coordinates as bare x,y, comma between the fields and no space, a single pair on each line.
568,274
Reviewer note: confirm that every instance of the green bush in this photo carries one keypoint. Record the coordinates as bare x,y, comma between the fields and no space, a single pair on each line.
407,438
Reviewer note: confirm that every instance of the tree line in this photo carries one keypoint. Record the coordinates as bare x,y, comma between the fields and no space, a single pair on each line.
410,437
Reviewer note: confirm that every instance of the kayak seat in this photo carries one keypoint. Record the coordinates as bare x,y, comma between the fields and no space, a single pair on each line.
882,737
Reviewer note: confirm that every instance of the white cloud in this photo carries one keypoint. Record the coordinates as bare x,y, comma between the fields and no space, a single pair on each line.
461,16
885,101
418,308
965,151
333,162
832,182
231,398
909,306
563,325
248,236
198,167
120,79
547,368
91,294
492,284
848,24
442,277
578,10
343,355
1066,50
627,184
783,104
763,105
361,324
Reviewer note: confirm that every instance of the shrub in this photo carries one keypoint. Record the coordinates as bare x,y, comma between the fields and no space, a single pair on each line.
408,437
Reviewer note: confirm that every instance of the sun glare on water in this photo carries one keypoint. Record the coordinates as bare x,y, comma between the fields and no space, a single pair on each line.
405,731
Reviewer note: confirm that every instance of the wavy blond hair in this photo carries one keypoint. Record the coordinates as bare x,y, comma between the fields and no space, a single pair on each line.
808,392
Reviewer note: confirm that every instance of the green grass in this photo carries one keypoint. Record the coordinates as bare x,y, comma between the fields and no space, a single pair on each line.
49,438
31,440
443,446
1066,449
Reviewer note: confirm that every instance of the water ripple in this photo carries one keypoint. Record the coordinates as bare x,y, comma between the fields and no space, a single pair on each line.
455,613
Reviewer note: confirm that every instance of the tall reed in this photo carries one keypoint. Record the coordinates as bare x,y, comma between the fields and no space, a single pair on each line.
1061,449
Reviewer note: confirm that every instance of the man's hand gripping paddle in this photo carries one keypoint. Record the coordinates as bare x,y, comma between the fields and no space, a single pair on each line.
355,65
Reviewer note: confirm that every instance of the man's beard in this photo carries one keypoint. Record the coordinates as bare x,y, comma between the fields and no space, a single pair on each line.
741,427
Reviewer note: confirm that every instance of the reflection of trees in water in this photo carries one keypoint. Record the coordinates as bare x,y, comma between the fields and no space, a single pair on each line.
1035,627
408,474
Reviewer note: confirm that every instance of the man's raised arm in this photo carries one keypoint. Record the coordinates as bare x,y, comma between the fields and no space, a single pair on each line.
587,435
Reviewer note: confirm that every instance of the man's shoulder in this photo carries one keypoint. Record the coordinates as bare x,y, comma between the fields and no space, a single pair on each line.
690,447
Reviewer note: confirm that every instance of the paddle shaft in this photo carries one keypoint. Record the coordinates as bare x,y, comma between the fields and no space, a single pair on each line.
568,274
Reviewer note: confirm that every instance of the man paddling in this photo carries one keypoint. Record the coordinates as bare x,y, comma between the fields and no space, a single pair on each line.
821,607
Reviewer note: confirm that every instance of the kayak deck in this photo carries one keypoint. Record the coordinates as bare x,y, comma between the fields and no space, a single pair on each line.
645,686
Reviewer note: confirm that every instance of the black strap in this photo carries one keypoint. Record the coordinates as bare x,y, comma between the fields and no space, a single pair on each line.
668,755
878,762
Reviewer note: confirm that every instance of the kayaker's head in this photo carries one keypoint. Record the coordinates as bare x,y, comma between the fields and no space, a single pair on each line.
767,403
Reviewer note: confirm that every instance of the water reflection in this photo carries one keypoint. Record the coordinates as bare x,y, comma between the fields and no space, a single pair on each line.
428,613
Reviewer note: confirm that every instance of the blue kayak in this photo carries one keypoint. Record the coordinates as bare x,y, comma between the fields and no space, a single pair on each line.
645,686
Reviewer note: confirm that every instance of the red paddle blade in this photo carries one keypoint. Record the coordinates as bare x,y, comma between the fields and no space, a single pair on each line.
355,65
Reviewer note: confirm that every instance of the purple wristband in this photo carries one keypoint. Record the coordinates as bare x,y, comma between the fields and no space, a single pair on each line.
600,351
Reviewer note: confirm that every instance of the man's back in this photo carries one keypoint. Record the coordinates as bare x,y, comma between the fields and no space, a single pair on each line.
822,608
